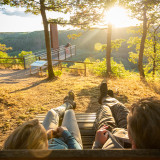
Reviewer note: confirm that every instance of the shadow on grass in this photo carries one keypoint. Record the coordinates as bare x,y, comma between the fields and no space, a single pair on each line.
34,85
94,94
152,85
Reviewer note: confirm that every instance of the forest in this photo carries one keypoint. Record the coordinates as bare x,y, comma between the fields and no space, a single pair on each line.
34,41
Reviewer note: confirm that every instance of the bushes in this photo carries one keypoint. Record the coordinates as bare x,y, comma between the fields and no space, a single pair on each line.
99,68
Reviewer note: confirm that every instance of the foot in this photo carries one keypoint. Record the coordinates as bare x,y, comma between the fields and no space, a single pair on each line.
110,93
70,99
103,91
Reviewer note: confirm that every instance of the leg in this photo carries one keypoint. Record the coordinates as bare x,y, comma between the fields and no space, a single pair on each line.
70,122
51,120
105,117
119,111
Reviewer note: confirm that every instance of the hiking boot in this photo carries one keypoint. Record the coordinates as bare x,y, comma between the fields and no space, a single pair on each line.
110,93
71,95
103,92
70,99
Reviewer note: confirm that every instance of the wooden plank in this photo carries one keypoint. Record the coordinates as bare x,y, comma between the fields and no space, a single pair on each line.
86,125
80,154
86,132
78,120
77,114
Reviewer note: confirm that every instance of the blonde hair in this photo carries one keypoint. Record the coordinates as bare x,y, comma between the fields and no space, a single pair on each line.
144,123
30,135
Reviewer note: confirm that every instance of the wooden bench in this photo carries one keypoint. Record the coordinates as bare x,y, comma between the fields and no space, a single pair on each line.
86,125
39,64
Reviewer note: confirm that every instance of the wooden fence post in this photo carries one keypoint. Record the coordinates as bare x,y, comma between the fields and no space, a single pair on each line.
58,54
85,69
24,62
65,52
70,51
60,65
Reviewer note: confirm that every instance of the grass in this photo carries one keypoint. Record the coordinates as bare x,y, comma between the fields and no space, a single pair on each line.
22,99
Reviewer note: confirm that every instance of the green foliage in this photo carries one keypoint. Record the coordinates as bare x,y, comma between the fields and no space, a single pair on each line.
151,50
28,57
115,45
24,53
98,68
57,73
3,54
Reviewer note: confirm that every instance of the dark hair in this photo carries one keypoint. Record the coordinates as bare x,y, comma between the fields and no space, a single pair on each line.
144,123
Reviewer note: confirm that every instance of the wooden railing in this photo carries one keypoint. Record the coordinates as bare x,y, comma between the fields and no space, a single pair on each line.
59,62
15,63
56,54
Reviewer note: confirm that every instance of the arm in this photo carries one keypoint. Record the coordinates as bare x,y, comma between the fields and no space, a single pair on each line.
101,137
105,140
68,138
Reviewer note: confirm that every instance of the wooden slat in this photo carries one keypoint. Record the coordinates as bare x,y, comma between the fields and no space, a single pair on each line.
80,155
87,132
78,120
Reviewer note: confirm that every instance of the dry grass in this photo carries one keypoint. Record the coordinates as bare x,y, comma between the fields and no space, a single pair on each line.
23,98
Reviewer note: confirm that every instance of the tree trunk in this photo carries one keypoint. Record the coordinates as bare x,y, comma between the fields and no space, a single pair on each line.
47,41
108,51
155,52
144,34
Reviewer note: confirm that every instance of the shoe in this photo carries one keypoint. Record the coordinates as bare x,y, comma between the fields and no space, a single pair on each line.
110,93
70,99
71,95
103,91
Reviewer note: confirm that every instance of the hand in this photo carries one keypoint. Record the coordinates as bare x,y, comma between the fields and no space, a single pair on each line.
101,135
51,133
60,130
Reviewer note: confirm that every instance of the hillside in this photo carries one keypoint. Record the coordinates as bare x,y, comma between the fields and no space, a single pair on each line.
22,96
34,41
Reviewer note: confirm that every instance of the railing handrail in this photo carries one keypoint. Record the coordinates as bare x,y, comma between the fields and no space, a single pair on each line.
69,61
10,58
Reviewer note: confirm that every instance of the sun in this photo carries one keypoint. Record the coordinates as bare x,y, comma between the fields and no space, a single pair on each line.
118,17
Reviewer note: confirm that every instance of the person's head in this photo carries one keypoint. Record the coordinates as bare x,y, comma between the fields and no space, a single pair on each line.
144,124
30,135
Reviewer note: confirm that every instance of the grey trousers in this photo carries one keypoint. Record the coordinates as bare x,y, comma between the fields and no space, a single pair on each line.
112,113
53,116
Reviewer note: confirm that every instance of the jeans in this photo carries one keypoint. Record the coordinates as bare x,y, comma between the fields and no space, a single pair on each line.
53,116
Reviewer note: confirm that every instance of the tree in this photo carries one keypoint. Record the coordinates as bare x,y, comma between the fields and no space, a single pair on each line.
147,12
151,49
113,45
3,53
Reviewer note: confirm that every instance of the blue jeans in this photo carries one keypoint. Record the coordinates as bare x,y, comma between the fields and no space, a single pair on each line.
51,121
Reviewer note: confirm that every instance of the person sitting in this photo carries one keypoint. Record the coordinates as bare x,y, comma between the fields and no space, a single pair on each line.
33,135
118,128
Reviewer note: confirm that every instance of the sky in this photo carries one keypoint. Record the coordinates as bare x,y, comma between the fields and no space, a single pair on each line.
16,20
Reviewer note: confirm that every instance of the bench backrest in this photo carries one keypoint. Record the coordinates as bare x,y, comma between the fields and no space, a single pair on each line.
80,155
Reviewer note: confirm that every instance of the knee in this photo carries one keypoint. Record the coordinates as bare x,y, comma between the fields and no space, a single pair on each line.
51,113
69,112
